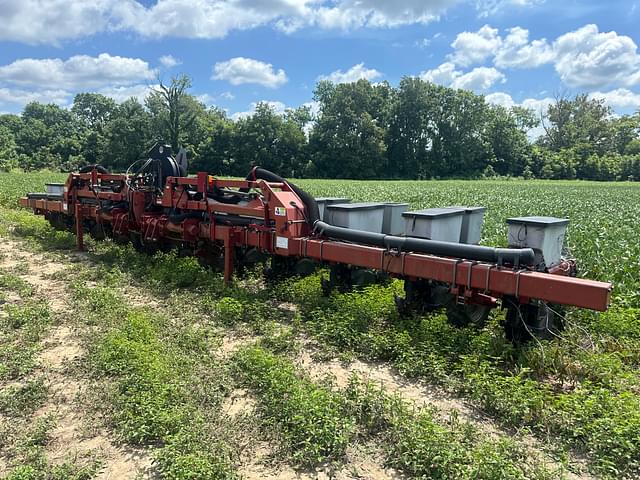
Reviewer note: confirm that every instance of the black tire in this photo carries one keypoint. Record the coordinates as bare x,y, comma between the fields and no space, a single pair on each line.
136,241
524,322
467,315
97,232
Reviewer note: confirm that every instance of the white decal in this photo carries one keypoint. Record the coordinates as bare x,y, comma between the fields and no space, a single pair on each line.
282,242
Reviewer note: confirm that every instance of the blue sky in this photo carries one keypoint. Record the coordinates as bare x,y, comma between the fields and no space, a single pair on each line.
243,51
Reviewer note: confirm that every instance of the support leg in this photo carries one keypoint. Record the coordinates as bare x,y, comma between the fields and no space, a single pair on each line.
228,259
79,227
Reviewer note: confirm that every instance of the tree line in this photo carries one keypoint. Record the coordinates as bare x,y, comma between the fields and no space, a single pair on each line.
417,130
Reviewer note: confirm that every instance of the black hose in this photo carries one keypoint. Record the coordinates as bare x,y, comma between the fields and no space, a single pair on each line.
88,168
512,256
312,210
236,220
107,207
181,217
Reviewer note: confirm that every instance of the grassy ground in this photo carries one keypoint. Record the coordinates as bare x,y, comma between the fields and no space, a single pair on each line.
215,382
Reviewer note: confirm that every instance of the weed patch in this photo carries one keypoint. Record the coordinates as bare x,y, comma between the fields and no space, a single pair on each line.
22,327
157,398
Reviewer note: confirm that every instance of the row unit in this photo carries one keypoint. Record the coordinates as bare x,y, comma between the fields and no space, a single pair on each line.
461,224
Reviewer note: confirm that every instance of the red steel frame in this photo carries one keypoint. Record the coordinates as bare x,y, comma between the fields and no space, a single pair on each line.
280,228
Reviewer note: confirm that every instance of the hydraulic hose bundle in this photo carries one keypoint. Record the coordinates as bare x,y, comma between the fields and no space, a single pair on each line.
512,256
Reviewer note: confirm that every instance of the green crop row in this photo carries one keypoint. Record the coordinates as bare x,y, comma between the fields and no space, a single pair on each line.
317,424
158,399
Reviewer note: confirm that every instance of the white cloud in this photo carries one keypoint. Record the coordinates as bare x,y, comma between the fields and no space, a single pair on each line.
487,8
169,61
355,73
241,70
474,47
78,72
52,21
199,18
22,97
517,52
587,58
444,74
314,107
512,51
206,99
500,98
619,98
210,100
478,79
583,58
122,93
349,14
538,105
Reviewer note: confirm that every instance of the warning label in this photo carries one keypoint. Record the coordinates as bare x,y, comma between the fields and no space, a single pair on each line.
281,211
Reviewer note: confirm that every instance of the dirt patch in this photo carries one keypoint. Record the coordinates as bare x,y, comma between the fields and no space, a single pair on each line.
365,461
416,392
231,343
361,462
260,465
239,401
61,348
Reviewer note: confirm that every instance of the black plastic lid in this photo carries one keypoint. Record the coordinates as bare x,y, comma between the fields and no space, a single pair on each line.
356,206
333,199
468,209
434,213
544,221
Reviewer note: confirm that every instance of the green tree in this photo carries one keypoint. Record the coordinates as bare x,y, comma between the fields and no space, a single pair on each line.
458,147
268,139
8,149
581,120
127,135
625,131
216,147
436,131
50,136
409,137
510,147
174,112
348,139
94,110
